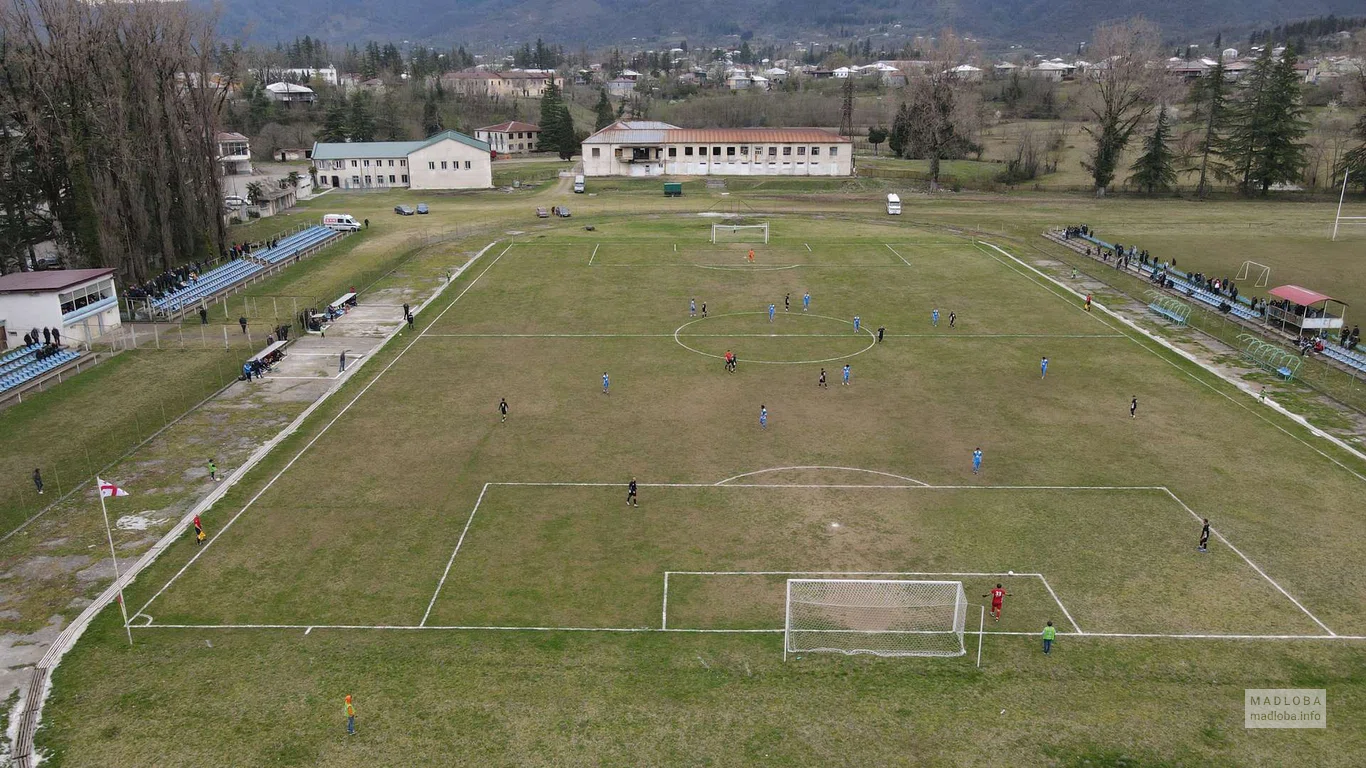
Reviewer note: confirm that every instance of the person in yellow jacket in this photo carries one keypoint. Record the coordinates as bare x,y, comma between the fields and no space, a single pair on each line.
350,716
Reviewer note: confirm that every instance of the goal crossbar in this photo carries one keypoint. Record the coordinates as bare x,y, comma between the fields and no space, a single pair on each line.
737,229
883,617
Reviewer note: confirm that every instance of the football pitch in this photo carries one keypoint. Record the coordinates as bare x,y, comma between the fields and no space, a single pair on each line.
484,590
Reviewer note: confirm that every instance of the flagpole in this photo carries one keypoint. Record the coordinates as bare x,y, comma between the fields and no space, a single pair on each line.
115,558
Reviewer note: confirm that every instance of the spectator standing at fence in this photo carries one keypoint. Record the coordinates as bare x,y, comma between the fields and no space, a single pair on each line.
242,321
38,481
410,321
28,341
203,315
367,226
405,309
1050,633
47,336
341,362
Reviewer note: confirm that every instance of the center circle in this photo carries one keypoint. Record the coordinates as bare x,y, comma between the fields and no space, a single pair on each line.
750,325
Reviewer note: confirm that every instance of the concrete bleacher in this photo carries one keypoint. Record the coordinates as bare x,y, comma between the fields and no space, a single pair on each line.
295,244
23,365
209,284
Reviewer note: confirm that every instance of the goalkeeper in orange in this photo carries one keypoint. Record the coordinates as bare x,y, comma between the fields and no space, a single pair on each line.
751,255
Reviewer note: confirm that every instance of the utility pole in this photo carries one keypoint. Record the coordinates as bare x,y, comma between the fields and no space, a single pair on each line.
847,111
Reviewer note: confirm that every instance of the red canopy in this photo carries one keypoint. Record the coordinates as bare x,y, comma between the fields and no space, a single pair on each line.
1301,296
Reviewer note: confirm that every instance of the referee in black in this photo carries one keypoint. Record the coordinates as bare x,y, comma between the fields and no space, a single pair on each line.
631,494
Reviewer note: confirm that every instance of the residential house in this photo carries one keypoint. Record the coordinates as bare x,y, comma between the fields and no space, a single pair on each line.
505,84
234,154
447,160
510,138
966,72
620,86
648,148
82,303
289,93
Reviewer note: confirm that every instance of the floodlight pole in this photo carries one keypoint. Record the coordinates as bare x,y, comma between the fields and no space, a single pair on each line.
1338,219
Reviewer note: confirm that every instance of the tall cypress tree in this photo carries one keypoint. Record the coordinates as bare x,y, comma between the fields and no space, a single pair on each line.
1154,170
605,115
1212,97
553,116
360,123
334,124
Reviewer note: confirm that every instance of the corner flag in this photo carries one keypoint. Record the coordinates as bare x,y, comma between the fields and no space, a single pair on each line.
109,489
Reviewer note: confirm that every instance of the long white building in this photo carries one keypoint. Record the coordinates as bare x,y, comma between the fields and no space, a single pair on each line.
447,160
646,148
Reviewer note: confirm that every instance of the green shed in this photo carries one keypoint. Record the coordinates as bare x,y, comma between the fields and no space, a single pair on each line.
673,189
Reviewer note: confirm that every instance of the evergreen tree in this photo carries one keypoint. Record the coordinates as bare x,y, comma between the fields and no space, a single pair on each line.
900,138
1211,99
876,135
1264,144
389,125
334,123
605,115
1154,171
360,123
555,122
432,122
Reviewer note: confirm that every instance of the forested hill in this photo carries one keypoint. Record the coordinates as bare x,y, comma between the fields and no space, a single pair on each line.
1055,23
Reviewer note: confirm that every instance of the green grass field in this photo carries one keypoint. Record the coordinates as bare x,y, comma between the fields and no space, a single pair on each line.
484,592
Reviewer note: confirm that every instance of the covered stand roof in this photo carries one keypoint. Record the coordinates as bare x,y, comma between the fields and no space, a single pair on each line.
1301,296
51,280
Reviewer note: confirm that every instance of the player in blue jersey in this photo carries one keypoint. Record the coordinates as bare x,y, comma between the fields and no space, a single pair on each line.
606,382
976,460
846,375
1043,368
857,322
692,308
763,417
934,317
771,309
806,301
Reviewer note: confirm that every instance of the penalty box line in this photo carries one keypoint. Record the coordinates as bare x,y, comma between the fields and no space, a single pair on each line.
664,622
920,486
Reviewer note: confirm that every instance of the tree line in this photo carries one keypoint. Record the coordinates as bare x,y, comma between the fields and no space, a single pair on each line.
107,119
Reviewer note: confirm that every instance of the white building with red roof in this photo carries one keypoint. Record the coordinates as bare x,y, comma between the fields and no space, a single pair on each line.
649,148
511,138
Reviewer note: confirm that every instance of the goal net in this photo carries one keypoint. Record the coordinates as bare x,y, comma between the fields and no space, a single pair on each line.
885,618
1251,268
739,233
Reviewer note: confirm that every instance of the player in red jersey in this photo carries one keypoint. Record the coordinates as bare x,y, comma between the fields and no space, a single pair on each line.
998,595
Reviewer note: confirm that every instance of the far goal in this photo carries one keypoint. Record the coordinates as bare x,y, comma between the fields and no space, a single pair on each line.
740,233
884,618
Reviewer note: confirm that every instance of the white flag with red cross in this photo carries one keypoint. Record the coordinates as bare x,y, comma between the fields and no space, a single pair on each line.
109,489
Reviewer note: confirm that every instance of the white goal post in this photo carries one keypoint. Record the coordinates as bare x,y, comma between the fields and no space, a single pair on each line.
881,617
1246,270
739,233
1339,218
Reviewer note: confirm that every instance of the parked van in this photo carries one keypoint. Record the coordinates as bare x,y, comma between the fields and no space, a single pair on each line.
578,183
893,204
342,222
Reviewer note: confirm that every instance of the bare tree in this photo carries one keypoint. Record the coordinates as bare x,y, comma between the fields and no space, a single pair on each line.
1119,93
942,113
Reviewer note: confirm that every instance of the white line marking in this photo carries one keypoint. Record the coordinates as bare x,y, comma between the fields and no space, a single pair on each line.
475,628
899,256
450,562
808,247
857,333
746,269
664,620
305,378
1049,587
323,431
841,469
642,335
595,254
306,631
1251,564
